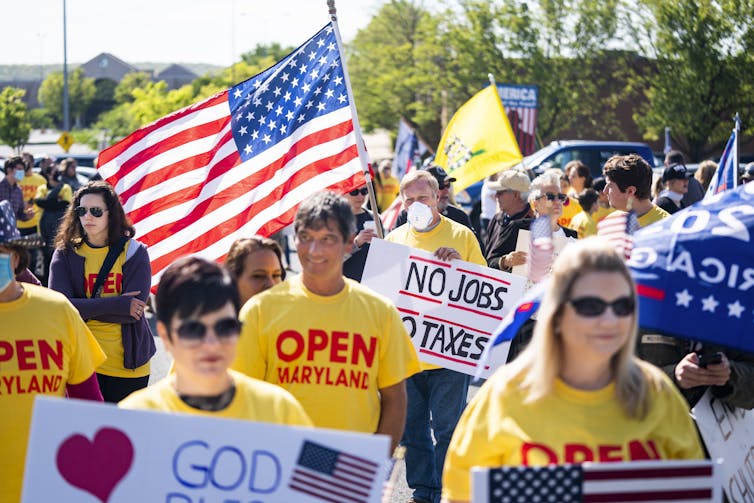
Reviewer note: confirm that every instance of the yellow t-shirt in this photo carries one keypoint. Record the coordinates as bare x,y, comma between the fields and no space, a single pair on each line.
45,345
29,185
332,353
571,207
387,191
108,335
654,215
568,426
584,225
601,213
254,400
447,233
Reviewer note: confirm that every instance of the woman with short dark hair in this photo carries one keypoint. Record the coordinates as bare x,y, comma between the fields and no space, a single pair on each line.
256,264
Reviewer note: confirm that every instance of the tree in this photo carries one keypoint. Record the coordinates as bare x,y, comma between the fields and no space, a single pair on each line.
14,118
264,55
124,90
702,50
81,92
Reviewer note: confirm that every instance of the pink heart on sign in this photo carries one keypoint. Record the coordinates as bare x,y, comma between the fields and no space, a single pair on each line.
96,467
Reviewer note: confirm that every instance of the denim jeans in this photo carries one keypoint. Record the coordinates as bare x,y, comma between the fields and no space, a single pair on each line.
436,399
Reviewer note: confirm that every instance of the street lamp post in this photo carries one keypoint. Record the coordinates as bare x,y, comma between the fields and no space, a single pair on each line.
66,114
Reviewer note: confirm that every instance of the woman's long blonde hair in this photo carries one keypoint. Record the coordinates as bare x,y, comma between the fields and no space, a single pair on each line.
541,362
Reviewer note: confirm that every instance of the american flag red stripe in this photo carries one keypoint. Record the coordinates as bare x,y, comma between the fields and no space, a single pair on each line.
240,162
646,481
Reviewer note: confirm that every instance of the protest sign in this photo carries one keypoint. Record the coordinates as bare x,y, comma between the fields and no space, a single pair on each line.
88,452
449,309
728,433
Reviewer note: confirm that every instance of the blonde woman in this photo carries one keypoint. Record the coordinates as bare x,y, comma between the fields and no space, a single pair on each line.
577,393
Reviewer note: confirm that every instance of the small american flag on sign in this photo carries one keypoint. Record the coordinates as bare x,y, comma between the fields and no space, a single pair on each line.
541,250
331,475
636,481
618,228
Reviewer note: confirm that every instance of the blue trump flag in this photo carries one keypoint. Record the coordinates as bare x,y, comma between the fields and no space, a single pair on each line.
694,271
409,149
726,175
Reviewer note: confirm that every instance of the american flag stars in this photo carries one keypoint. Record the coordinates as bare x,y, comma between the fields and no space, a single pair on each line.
307,84
709,303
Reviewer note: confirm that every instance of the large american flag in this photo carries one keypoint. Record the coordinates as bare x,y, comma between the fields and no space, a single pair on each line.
240,162
331,475
647,481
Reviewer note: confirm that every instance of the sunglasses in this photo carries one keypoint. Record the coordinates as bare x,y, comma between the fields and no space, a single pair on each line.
195,331
591,307
363,191
94,211
551,196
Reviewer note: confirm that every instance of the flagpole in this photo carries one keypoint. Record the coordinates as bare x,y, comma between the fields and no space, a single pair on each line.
737,129
357,128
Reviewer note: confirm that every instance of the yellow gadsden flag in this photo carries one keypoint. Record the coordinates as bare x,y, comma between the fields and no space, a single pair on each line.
478,141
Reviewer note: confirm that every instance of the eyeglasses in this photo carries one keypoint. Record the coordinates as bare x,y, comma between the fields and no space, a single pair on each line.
591,307
94,211
552,196
195,332
363,191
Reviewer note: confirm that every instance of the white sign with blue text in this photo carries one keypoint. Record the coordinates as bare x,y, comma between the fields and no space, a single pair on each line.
450,309
88,452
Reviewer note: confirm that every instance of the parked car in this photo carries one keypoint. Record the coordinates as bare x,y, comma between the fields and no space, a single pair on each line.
592,153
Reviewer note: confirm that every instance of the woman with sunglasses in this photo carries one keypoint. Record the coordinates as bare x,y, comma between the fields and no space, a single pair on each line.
577,393
353,267
256,264
197,319
93,223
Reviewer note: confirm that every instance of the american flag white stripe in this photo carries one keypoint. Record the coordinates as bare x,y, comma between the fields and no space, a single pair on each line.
617,229
240,162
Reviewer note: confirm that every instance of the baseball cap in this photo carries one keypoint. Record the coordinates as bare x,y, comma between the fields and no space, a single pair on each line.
440,175
676,172
511,180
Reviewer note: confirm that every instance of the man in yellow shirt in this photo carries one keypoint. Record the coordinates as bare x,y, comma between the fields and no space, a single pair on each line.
629,187
45,349
435,391
340,349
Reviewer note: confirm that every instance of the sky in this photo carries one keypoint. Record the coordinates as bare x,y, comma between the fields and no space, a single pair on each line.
170,31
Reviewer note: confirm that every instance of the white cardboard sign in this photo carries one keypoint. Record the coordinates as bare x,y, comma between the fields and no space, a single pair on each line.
450,309
88,453
728,433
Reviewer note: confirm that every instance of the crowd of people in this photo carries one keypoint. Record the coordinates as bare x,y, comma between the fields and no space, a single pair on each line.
319,349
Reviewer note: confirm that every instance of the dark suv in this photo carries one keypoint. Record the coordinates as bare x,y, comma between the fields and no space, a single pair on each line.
592,153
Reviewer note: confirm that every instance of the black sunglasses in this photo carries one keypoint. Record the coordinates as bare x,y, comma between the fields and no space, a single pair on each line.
551,196
196,331
95,211
594,306
363,191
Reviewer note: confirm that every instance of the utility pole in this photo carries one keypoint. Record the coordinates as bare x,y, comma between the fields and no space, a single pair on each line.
66,112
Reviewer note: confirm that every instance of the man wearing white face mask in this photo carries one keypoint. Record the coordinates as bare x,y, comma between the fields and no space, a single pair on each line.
45,349
436,391
10,190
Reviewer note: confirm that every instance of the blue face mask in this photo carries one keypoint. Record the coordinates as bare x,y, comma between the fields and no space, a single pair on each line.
20,174
6,271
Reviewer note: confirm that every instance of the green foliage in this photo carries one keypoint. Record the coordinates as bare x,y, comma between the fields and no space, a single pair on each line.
264,55
14,121
81,92
703,51
124,90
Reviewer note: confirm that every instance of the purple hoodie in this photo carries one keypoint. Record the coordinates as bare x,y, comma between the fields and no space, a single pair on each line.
67,277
